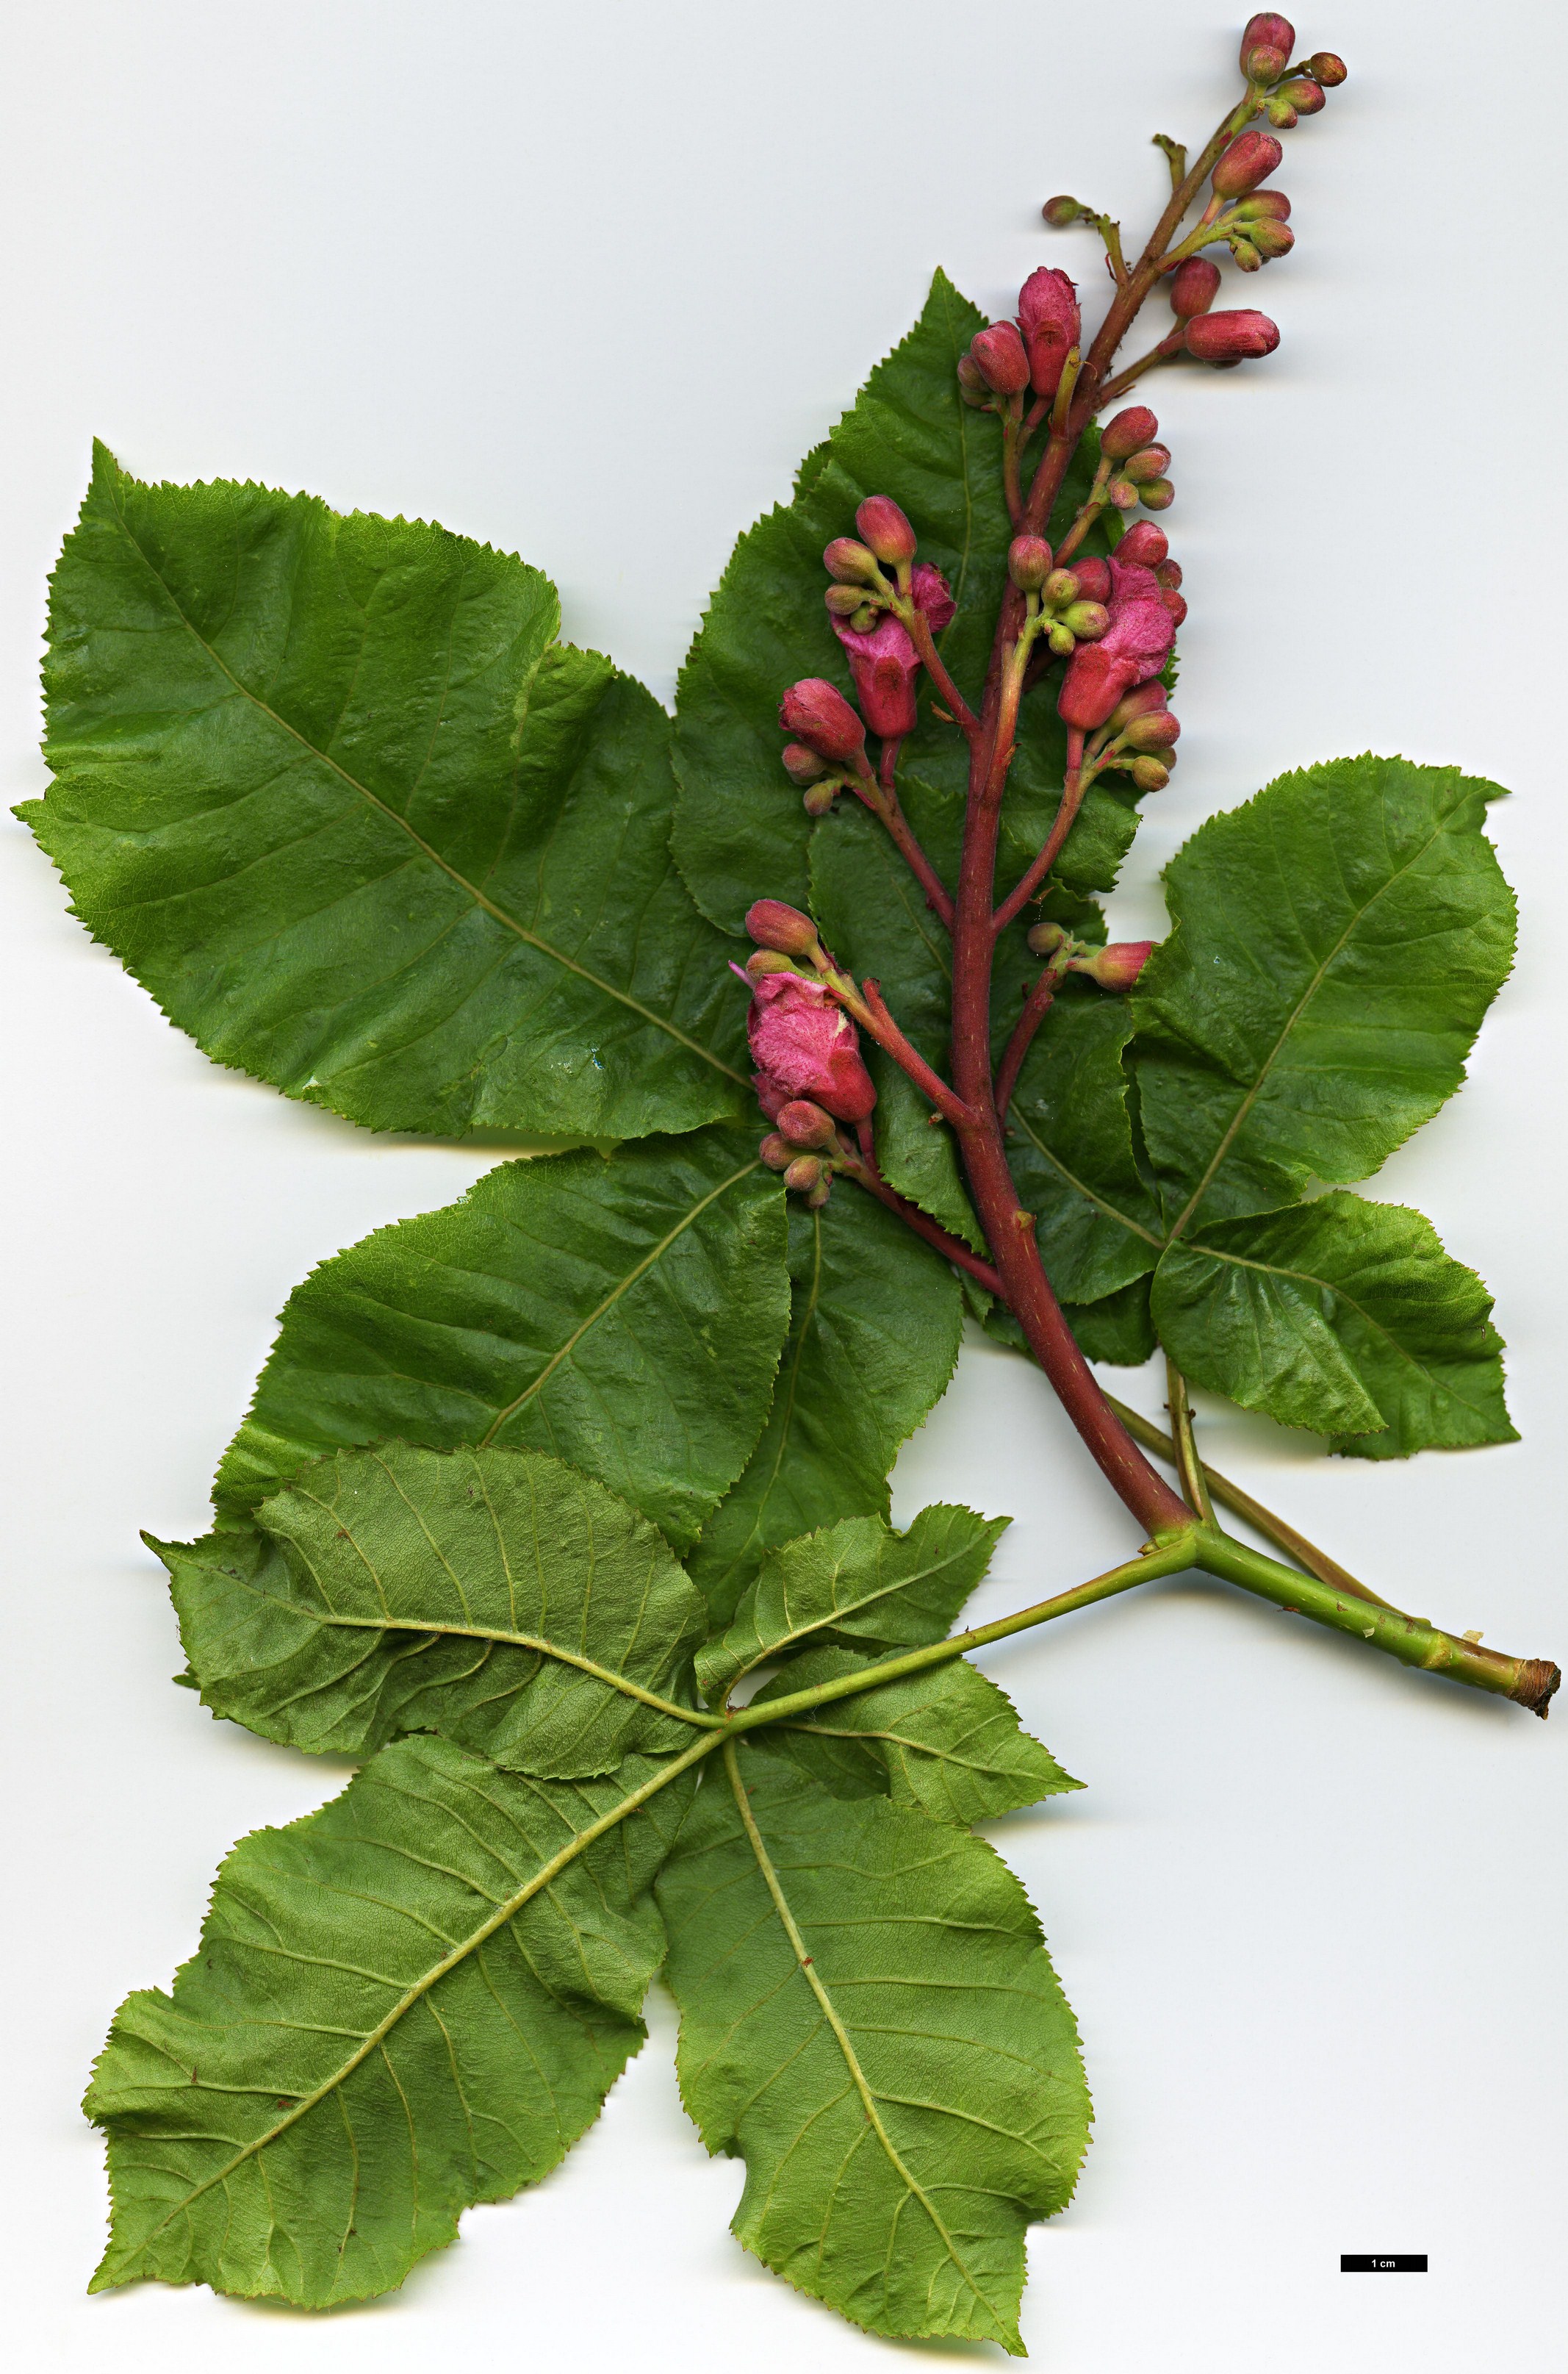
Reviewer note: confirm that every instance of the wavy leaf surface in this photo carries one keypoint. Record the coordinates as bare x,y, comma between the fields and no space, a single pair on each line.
497,1596
870,2020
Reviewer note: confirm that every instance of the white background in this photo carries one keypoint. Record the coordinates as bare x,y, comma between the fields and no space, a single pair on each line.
585,281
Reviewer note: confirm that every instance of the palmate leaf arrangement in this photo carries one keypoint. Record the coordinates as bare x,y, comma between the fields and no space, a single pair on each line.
534,1490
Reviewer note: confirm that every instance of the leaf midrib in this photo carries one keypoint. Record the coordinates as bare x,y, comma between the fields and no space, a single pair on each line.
1315,983
858,2079
1327,1285
505,1912
499,914
623,1286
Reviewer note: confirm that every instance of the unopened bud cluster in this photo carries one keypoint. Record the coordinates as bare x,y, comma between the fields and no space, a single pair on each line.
1116,967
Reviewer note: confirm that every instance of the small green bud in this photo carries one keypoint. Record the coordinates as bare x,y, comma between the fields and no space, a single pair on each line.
1059,588
1060,213
1062,641
1087,620
1158,495
1048,939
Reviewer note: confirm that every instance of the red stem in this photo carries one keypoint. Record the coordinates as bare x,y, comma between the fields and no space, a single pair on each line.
869,1010
866,1174
1036,1005
1077,784
918,627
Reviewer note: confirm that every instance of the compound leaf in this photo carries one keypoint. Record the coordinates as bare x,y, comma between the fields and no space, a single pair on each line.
412,2001
1342,1315
1337,943
858,1580
625,1314
497,1596
873,1340
947,1743
868,2019
335,795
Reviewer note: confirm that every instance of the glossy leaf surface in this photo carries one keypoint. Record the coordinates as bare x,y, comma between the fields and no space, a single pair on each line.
334,793
625,1315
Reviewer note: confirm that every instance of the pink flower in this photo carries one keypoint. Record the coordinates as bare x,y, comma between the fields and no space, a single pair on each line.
931,596
1132,650
817,714
803,1045
1049,319
884,661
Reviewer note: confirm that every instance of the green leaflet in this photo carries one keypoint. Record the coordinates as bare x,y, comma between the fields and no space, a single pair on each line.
856,1581
334,793
497,1596
946,1742
1342,1315
740,832
625,1315
873,1339
1070,1147
411,2001
1337,943
870,2020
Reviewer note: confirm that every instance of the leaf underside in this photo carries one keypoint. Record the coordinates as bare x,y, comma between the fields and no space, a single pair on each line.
870,2020
497,1596
402,2005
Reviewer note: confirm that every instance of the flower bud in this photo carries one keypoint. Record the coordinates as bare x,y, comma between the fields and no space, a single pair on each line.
816,712
932,597
1123,494
886,530
850,563
1248,160
1175,605
1194,287
1265,32
1117,967
1150,774
820,1192
1271,239
766,960
805,1125
1169,573
1157,730
1048,939
772,924
1245,256
1126,433
1145,701
1264,202
1267,66
818,800
1063,211
1280,114
1326,69
1231,338
1149,461
803,766
1144,544
1156,494
1028,562
803,1172
973,386
1061,587
1049,320
776,1151
998,355
844,601
1086,620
